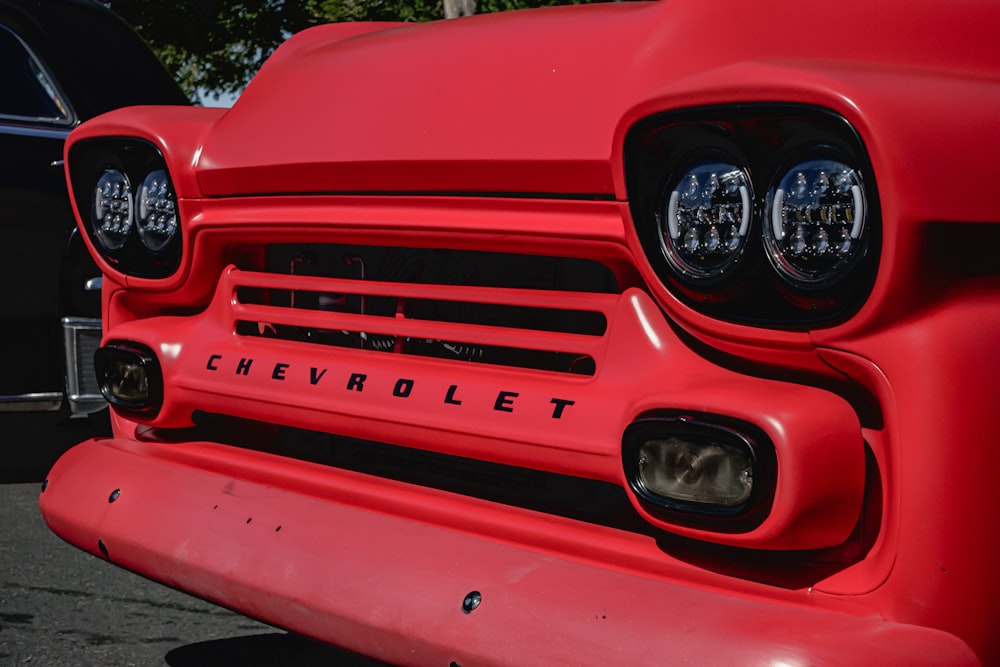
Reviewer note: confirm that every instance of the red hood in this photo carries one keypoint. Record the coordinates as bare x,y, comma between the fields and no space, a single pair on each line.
446,106
518,102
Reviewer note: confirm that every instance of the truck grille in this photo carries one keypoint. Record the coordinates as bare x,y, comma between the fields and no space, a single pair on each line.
545,313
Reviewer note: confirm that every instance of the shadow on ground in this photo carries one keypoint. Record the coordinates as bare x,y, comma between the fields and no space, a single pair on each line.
265,651
31,442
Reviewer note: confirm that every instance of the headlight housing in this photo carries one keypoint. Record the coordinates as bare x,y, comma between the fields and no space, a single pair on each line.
128,204
798,180
706,471
130,378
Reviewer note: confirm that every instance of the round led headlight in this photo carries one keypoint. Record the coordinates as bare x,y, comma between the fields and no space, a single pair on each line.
156,211
816,227
111,216
706,219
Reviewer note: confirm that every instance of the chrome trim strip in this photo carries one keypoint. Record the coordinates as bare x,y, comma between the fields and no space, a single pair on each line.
80,402
38,132
49,401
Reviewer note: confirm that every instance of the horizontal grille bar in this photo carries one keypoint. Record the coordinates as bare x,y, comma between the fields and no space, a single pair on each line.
413,328
455,293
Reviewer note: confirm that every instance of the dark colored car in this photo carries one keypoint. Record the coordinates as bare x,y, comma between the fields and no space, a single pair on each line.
61,63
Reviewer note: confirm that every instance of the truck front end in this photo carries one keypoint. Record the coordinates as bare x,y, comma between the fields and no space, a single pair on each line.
584,353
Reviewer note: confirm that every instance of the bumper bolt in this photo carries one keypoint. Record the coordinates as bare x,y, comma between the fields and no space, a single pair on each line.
471,601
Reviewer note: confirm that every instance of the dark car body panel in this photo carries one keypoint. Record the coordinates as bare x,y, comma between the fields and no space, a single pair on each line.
91,62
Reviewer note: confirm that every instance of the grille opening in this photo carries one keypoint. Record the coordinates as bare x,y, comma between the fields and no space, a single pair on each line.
562,362
370,290
426,266
459,312
592,501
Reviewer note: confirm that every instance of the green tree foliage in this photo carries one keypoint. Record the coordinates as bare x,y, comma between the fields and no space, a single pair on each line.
217,45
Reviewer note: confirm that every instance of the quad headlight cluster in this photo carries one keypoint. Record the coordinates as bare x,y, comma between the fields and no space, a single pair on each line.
128,204
758,214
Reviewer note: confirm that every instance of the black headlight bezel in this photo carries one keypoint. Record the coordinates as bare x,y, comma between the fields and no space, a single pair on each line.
136,158
766,138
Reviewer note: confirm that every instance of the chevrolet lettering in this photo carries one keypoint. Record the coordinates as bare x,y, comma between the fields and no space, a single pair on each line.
357,382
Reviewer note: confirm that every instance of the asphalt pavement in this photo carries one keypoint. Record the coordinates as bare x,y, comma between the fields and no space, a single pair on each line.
61,607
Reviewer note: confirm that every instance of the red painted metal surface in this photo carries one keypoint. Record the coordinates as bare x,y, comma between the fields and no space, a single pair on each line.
877,545
331,556
568,425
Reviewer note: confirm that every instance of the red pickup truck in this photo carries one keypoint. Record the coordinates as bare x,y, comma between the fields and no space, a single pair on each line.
642,333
